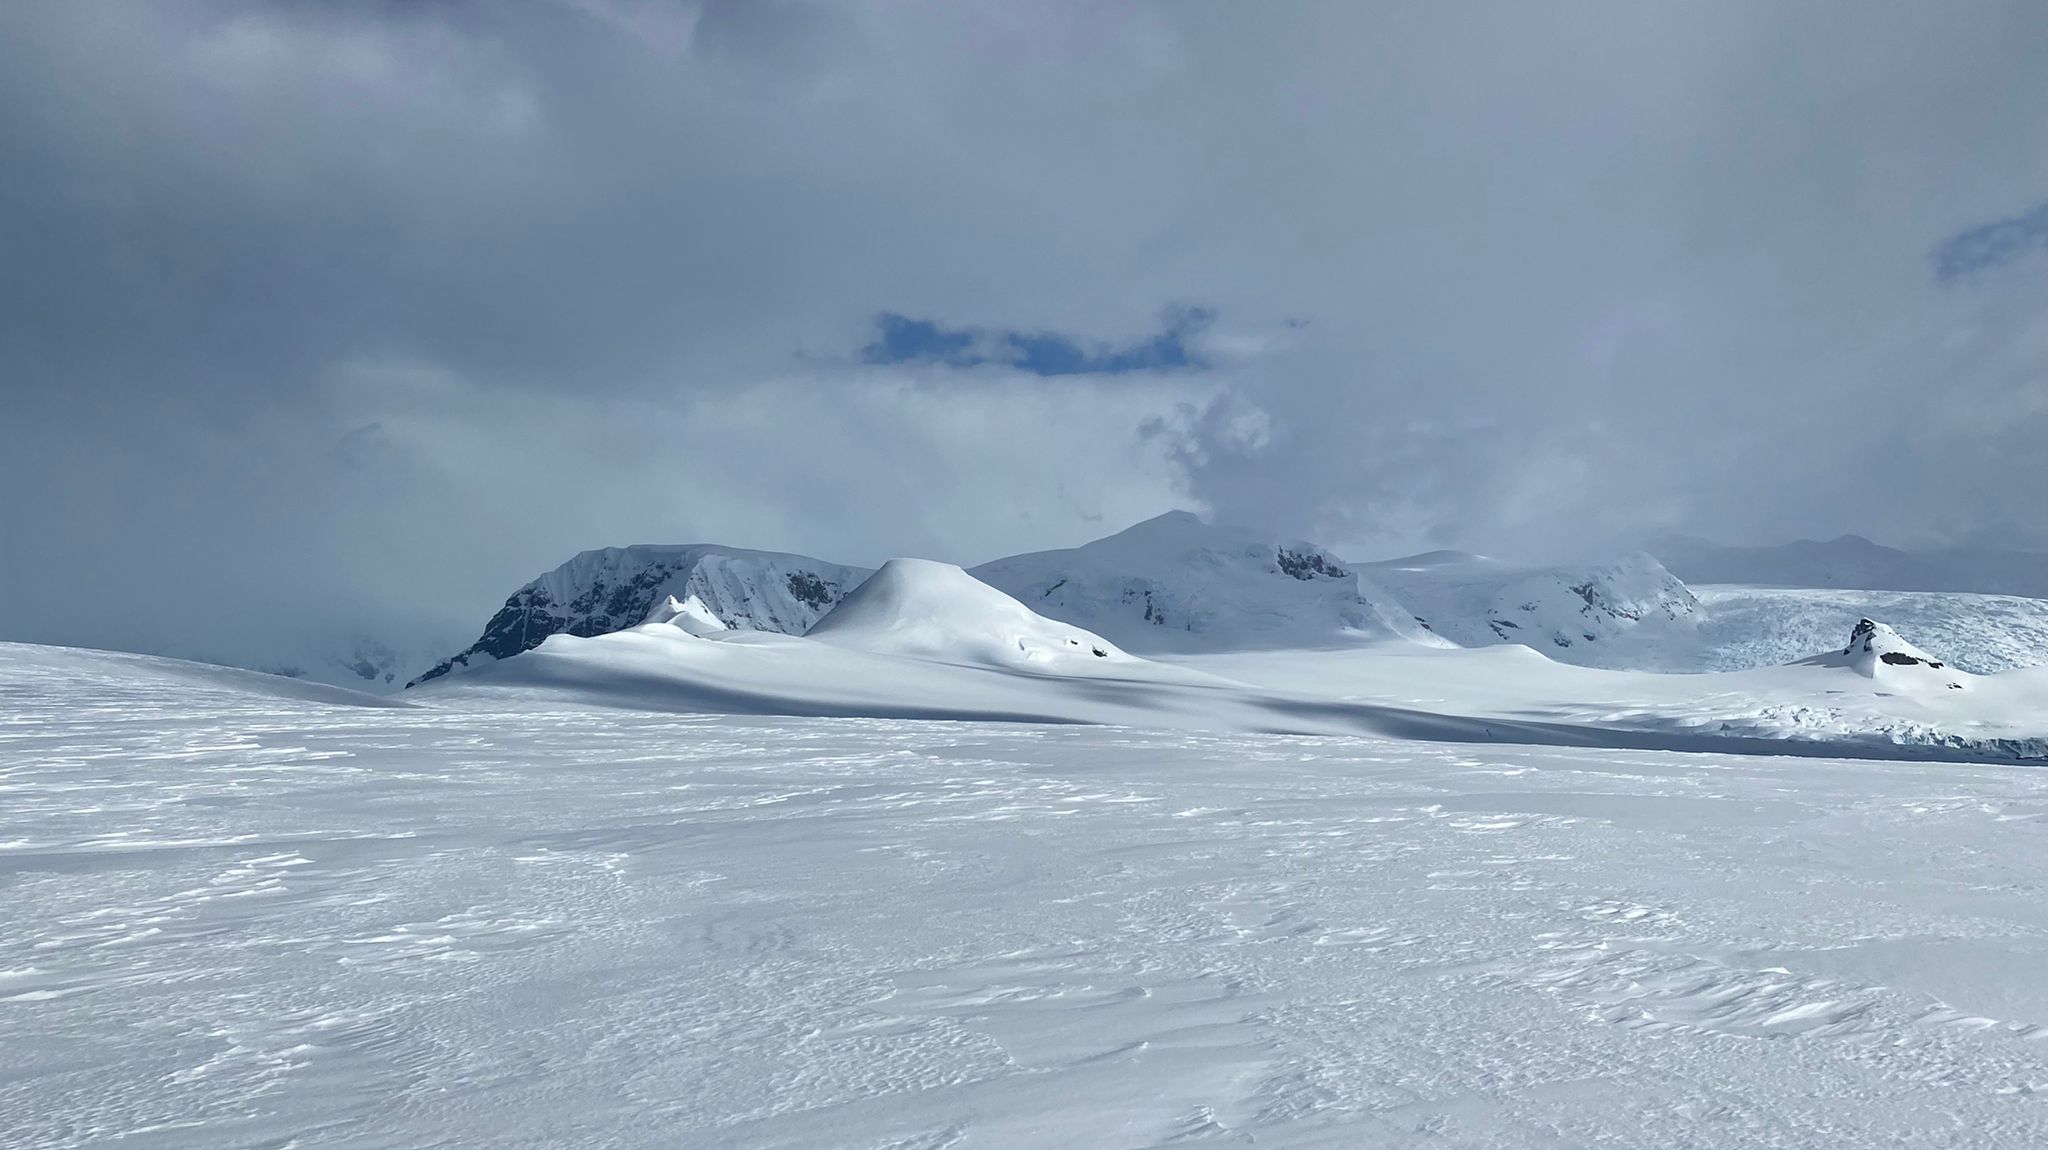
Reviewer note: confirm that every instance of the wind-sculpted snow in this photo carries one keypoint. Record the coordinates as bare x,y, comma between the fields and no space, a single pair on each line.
241,919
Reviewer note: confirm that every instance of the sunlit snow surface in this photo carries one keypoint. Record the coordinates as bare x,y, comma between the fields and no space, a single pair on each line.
236,919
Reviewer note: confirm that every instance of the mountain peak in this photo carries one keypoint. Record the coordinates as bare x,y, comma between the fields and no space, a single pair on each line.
1876,650
613,588
936,611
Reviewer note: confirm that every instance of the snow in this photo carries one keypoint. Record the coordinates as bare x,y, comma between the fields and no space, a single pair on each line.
1744,626
1175,583
1218,843
928,640
1608,615
1814,706
916,608
244,911
607,590
1876,651
689,614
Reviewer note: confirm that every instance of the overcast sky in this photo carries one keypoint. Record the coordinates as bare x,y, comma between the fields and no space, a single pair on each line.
321,310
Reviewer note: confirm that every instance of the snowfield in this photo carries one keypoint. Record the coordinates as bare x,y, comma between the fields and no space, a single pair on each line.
925,640
247,912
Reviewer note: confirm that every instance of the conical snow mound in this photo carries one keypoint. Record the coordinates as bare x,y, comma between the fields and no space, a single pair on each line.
935,611
1877,651
1878,641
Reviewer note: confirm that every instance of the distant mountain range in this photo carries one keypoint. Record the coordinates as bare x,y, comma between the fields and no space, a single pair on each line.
1177,584
1170,584
1853,561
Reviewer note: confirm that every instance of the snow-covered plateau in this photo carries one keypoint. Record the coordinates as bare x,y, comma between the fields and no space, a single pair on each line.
246,911
1187,836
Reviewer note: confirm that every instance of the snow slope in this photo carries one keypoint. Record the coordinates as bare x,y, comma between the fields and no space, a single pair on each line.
241,919
618,587
918,640
1177,583
1825,701
915,608
23,665
1609,615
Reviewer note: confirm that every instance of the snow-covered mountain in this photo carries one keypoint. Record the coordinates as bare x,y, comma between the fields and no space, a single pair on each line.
1175,583
614,588
1876,651
916,608
1595,615
1178,585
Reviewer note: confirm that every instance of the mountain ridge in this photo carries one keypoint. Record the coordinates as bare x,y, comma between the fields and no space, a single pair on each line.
1172,583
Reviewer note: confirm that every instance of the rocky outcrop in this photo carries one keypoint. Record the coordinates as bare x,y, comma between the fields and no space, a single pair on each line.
1875,651
607,590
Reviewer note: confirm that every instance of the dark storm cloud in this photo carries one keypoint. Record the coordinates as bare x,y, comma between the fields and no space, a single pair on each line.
311,312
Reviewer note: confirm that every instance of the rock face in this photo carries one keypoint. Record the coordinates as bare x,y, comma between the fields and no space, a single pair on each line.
599,592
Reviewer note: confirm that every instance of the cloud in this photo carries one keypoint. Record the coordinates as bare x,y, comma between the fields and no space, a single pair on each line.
348,311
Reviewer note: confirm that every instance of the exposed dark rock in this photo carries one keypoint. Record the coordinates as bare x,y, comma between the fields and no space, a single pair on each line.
1306,565
809,588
